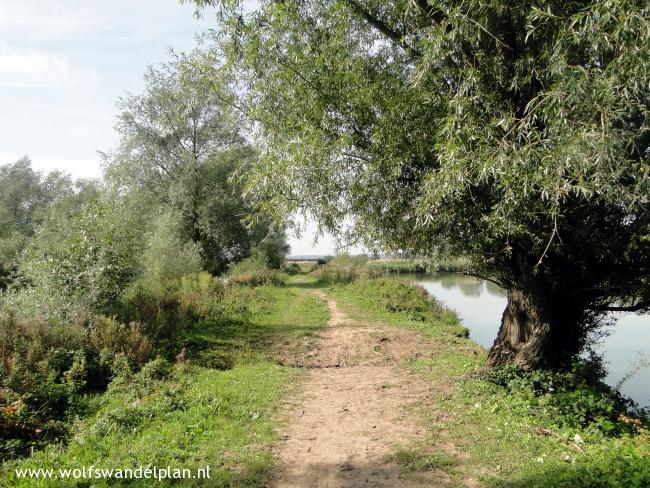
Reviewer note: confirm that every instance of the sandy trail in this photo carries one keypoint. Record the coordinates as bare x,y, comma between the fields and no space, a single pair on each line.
353,411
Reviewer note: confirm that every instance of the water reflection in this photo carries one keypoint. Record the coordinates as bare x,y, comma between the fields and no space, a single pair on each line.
480,305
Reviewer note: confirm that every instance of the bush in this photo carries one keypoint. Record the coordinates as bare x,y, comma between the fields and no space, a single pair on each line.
446,265
168,308
259,277
201,294
167,255
44,369
79,261
398,265
429,265
345,269
157,309
112,339
291,268
572,398
253,271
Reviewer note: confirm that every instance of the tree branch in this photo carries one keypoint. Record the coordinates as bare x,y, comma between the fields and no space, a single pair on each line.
396,37
631,308
429,12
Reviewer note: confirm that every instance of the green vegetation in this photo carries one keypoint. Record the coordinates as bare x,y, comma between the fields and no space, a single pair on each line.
402,304
345,269
429,265
254,271
145,316
182,150
49,368
513,427
98,278
213,404
512,133
26,196
199,383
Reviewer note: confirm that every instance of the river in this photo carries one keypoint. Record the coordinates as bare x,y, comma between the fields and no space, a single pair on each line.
480,304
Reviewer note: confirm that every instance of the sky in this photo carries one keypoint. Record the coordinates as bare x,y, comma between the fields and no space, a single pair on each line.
63,65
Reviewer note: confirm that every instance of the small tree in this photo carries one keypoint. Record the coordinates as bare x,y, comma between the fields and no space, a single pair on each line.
515,133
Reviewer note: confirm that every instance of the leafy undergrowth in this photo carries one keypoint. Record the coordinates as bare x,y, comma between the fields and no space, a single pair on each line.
507,427
214,406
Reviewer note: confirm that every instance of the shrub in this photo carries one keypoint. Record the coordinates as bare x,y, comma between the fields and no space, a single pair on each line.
46,366
43,370
167,255
156,369
446,265
398,265
291,268
157,309
254,271
166,309
259,277
79,260
201,294
345,269
572,398
113,338
428,265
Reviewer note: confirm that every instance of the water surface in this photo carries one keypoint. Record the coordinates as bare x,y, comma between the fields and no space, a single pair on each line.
480,305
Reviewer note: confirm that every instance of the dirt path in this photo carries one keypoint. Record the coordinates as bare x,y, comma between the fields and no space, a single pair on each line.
353,411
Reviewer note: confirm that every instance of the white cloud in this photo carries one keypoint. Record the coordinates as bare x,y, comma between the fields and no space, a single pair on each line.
27,68
46,19
77,167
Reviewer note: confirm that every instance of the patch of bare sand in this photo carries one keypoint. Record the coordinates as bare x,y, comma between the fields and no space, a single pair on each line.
354,409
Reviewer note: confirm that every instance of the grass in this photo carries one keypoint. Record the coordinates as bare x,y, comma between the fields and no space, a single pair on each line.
501,437
186,415
397,302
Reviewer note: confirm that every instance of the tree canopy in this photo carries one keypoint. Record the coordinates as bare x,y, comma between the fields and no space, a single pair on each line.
25,197
515,133
184,147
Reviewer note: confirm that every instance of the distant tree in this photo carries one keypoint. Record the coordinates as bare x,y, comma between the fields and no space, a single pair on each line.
25,197
515,133
184,146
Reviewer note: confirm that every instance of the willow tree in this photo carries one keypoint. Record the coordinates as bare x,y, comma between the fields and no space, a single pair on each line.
181,144
515,133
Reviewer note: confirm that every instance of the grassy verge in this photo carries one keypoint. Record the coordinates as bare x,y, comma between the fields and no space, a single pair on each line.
215,406
507,428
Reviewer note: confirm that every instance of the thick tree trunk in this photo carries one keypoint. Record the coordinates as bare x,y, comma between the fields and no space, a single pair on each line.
536,331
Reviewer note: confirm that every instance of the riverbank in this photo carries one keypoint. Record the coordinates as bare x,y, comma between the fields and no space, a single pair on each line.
462,428
403,266
507,429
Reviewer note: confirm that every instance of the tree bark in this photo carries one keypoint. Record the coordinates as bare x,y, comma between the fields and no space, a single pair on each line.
537,330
